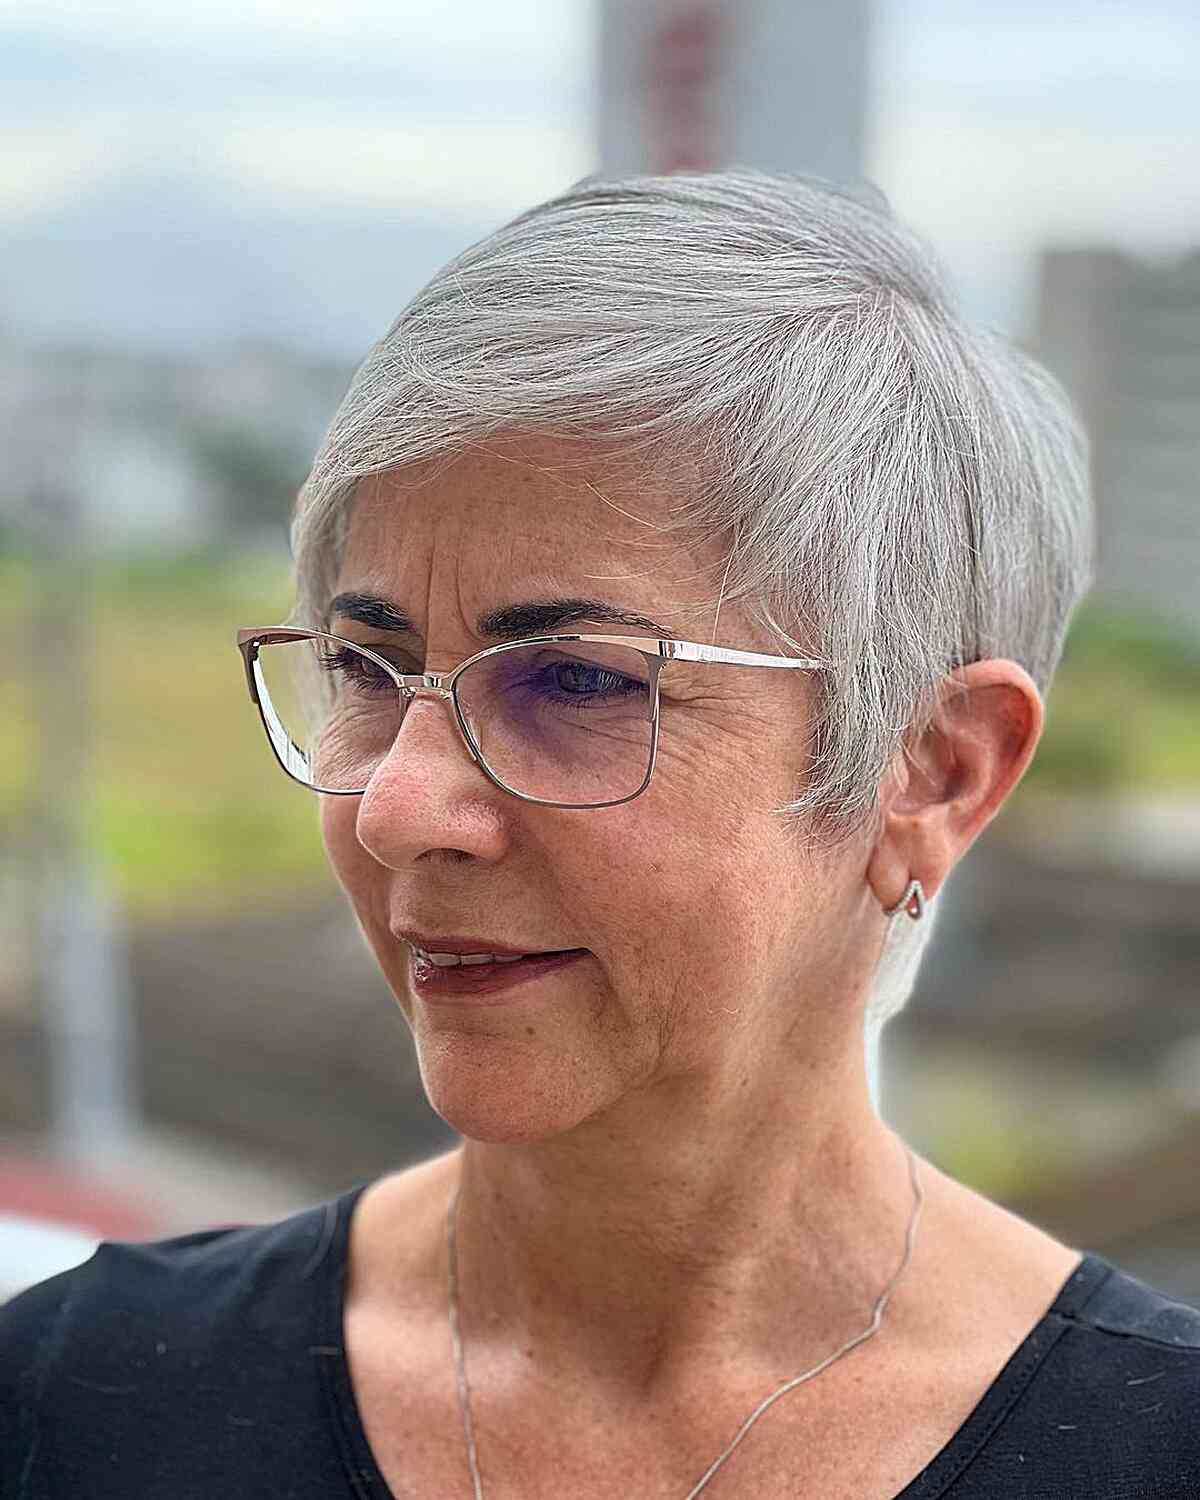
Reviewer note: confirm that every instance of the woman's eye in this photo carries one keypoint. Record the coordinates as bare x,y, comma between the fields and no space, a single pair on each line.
584,679
358,670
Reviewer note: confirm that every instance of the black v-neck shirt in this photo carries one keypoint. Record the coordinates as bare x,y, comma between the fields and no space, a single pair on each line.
213,1366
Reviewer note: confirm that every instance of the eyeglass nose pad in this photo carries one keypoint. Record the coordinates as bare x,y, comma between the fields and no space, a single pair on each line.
472,735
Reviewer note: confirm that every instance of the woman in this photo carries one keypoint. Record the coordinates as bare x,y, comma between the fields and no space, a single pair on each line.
678,587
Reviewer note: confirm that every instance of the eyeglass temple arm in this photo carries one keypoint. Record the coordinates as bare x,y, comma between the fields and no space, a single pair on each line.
696,651
247,652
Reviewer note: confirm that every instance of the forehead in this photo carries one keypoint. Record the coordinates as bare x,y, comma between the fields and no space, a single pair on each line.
526,516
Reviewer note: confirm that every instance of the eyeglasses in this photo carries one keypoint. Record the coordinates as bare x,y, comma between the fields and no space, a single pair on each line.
560,720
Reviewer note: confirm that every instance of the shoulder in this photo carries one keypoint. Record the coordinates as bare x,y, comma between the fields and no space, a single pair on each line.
1100,1399
217,1272
1132,1345
1111,1301
1116,1396
121,1343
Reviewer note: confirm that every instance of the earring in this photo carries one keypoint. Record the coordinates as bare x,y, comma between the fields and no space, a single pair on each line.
912,902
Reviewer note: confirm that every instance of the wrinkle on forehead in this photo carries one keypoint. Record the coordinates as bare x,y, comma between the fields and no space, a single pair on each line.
534,518
642,495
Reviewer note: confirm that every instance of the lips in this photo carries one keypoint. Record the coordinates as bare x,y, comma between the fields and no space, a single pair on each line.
479,973
458,946
456,960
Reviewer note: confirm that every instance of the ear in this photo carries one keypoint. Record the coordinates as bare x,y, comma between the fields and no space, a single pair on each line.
950,781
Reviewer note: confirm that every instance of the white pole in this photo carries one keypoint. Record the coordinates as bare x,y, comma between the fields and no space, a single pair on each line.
79,962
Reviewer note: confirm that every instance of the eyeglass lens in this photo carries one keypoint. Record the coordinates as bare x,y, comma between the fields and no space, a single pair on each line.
569,722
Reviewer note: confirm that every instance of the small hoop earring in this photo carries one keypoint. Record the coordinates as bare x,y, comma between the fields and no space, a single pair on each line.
912,903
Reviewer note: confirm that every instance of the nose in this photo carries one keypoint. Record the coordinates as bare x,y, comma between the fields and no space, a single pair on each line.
427,795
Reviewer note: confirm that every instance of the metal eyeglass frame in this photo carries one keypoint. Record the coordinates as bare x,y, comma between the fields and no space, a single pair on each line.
442,685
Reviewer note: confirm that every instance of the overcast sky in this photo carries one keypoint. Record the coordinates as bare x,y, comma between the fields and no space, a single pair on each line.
996,126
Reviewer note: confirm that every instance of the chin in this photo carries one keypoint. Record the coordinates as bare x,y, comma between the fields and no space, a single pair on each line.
500,1092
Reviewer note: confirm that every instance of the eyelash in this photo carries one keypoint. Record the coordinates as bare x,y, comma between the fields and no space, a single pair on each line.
358,669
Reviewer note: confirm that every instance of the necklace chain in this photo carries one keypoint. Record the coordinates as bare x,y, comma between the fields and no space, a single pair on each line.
872,1328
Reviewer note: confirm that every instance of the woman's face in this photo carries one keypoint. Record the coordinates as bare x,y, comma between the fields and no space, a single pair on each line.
716,948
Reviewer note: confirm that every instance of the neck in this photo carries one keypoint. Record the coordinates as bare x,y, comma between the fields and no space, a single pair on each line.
692,1223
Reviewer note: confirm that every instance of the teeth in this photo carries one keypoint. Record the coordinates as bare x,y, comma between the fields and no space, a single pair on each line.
453,960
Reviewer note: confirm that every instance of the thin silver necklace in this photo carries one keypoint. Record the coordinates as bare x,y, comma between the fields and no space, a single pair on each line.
872,1328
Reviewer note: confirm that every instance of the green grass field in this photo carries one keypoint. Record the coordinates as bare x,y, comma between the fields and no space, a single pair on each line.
185,806
188,796
189,812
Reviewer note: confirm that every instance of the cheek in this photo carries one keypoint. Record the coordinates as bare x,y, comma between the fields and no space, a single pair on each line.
736,876
697,879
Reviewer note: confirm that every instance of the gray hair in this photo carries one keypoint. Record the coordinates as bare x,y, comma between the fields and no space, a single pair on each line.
898,492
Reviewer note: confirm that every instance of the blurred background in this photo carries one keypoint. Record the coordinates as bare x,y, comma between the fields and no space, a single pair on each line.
203,225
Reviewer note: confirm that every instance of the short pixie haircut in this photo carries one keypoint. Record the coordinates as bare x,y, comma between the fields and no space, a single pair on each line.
897,492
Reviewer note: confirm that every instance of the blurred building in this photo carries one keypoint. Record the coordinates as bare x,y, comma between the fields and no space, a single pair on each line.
158,447
694,84
1124,336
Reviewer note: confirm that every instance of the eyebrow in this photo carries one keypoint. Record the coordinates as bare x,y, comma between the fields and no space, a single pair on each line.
509,622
